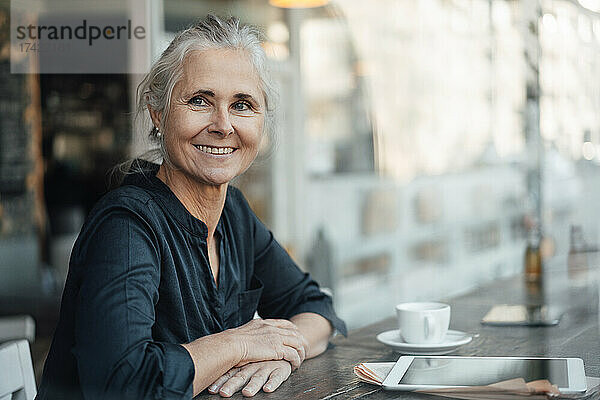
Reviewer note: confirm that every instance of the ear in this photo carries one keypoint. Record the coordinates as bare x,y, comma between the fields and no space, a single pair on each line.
155,116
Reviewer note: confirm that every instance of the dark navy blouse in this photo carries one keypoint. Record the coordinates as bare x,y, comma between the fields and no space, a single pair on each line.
140,283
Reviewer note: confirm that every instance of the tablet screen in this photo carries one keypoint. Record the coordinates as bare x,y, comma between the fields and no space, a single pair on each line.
477,372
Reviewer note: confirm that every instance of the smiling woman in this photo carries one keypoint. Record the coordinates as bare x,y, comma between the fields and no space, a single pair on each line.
171,266
215,124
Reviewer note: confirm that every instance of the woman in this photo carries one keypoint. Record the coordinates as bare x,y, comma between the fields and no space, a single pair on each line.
170,268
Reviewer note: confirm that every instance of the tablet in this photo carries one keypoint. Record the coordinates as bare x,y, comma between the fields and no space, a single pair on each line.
436,372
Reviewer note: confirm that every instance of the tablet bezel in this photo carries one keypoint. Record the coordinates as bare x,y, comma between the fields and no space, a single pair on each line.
575,373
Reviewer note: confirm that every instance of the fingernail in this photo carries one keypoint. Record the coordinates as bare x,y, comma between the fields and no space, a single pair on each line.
212,388
267,387
225,392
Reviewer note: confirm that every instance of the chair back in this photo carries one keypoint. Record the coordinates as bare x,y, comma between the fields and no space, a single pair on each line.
17,379
17,327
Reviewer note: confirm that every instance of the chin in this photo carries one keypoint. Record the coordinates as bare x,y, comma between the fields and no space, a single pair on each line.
217,179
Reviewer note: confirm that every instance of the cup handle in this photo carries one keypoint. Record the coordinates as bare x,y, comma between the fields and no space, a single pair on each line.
429,327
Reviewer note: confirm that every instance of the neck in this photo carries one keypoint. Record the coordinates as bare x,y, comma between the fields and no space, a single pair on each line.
204,202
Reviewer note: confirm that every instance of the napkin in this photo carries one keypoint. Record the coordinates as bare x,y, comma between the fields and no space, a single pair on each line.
375,373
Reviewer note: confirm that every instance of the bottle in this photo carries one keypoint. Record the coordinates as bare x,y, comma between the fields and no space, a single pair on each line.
533,256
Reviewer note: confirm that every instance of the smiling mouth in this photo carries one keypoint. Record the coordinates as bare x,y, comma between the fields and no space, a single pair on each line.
215,150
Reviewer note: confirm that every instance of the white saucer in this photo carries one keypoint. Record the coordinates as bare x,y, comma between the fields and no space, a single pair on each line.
453,340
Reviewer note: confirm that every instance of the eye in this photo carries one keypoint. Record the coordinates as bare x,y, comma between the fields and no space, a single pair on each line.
197,101
241,106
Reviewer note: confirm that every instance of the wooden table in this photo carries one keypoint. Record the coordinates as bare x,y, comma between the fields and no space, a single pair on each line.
576,292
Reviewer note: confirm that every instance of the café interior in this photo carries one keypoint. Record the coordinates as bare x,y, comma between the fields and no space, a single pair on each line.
423,149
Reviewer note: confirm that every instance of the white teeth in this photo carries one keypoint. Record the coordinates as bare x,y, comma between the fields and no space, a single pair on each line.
215,150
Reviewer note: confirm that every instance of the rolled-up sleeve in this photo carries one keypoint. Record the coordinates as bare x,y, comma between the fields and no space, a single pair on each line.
116,355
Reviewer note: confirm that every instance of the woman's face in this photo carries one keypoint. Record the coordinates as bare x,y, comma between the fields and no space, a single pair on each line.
217,116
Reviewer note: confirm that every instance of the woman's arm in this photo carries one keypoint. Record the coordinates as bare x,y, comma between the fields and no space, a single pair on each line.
212,356
114,270
258,340
268,375
316,330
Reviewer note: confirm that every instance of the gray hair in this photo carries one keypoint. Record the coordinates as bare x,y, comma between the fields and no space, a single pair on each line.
211,32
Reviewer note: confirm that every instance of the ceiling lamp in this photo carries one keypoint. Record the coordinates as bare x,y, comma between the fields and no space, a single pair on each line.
298,3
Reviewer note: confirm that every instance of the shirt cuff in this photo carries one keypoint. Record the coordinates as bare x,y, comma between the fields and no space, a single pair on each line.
178,374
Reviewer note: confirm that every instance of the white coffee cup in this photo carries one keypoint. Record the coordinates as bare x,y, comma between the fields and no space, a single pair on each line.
423,323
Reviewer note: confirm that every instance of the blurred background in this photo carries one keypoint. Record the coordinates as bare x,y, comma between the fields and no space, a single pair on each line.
420,144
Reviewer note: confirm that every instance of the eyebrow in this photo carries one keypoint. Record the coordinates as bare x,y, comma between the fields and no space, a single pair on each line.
210,93
243,96
205,92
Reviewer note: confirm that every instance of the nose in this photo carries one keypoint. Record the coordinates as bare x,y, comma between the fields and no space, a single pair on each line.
220,123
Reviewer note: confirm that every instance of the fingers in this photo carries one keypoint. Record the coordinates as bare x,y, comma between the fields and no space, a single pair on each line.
268,375
238,380
277,323
281,323
272,339
256,382
293,340
301,345
216,386
277,377
298,344
292,356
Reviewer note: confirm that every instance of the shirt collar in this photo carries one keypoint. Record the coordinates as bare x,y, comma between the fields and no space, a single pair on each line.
143,174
